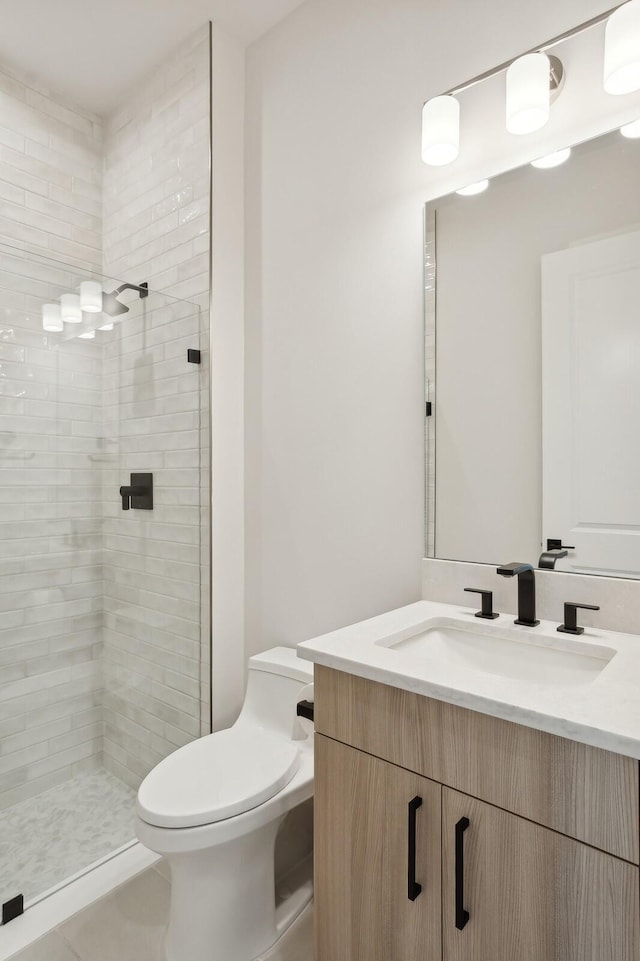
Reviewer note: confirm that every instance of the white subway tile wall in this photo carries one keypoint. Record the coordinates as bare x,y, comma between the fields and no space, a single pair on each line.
50,542
50,405
156,229
50,174
75,570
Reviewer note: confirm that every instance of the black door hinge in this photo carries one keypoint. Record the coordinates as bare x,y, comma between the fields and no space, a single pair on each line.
12,909
429,409
193,356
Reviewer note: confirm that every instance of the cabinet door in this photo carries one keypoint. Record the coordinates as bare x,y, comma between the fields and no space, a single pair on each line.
366,813
531,894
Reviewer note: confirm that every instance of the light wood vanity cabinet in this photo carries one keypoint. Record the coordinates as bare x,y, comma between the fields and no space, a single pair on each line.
541,876
362,903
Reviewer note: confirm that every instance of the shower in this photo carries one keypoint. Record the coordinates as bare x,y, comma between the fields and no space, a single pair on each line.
114,307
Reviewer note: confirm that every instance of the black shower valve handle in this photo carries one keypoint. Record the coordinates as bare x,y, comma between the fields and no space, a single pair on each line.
139,493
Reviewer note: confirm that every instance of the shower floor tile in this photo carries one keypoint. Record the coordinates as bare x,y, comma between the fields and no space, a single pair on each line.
47,838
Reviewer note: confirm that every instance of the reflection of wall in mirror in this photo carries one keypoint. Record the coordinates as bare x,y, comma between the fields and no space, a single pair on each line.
489,250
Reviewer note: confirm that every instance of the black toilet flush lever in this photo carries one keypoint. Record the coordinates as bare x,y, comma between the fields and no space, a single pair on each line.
139,494
487,603
570,625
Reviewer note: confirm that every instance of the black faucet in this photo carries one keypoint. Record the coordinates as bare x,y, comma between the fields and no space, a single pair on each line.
548,559
526,591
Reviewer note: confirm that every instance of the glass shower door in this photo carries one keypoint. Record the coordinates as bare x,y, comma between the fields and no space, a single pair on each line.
101,608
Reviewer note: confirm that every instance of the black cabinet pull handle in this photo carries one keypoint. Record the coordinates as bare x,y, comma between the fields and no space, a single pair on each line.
462,916
414,888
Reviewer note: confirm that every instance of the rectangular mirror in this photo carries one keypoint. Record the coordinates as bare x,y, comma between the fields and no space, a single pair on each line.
532,357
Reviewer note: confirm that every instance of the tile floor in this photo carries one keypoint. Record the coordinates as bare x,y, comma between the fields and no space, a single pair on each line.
128,925
52,836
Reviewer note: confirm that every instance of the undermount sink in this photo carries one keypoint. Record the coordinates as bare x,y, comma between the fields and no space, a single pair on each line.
506,653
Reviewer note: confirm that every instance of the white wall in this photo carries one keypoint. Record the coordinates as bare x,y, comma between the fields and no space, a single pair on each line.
227,368
50,563
334,395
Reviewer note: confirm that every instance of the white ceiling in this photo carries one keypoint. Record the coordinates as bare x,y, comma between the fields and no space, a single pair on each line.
92,52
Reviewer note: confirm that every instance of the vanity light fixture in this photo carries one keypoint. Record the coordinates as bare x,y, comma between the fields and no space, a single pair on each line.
91,296
622,50
440,131
88,335
535,79
471,190
554,159
71,310
108,326
631,130
52,318
528,93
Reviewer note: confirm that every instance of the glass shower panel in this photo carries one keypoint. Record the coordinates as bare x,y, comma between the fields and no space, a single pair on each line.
100,607
151,558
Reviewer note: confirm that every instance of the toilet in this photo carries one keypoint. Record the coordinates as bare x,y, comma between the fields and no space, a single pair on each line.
214,808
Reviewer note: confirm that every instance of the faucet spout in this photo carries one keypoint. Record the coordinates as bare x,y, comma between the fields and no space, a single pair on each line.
526,591
548,559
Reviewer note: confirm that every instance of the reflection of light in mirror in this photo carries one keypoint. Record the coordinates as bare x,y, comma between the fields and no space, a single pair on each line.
631,130
91,296
552,159
52,318
71,311
88,335
472,189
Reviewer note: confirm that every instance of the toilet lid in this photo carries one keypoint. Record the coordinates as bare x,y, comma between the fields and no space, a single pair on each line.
217,777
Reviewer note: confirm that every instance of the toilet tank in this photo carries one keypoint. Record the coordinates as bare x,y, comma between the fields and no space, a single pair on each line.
275,682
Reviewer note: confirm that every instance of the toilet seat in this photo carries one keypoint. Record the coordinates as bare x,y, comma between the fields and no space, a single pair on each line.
217,777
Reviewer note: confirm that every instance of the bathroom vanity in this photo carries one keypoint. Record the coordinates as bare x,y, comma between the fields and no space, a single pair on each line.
467,815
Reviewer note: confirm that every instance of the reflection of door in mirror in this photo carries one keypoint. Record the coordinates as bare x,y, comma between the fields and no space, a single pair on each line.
591,403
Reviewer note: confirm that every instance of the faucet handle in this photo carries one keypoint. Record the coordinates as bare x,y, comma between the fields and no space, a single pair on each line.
487,603
571,609
555,544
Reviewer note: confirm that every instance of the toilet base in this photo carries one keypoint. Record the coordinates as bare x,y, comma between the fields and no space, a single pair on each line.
223,900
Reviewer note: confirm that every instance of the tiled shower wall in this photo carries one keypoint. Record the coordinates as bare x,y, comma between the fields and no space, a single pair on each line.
72,437
156,229
50,523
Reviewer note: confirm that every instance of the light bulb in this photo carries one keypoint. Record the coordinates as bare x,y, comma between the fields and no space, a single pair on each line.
552,159
71,311
528,93
631,130
440,131
622,50
52,318
91,296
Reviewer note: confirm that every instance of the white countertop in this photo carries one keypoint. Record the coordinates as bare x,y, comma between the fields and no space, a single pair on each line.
603,711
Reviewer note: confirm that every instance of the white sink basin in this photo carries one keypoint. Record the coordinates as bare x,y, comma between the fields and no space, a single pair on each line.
517,654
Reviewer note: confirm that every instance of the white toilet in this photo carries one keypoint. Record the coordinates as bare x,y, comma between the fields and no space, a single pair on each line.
214,807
